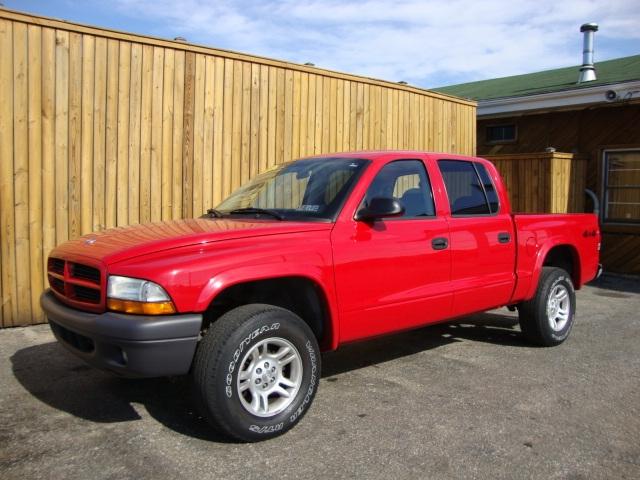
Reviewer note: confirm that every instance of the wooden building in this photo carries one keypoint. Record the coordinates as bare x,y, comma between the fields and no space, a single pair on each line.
597,122
101,129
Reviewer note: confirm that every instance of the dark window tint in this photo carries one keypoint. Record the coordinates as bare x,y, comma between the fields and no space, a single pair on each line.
489,189
466,195
501,133
407,181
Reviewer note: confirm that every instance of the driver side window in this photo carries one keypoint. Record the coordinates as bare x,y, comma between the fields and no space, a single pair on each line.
407,182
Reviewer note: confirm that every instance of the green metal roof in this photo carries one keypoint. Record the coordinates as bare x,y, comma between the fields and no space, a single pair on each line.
610,71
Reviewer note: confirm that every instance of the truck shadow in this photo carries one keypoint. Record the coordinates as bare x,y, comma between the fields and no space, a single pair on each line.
60,380
609,285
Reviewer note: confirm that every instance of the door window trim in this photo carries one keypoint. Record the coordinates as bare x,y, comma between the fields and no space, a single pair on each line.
486,198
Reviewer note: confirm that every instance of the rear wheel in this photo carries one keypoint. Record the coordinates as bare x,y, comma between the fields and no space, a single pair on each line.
547,318
256,372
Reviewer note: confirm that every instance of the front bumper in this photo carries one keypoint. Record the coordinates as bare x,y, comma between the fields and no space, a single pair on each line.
128,345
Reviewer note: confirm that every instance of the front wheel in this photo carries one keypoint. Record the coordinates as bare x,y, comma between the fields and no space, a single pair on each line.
256,372
547,318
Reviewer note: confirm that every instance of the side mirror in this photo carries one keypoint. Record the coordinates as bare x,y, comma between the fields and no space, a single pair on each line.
380,207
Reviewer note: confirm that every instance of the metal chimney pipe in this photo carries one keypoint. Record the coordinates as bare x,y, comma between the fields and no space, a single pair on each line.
587,71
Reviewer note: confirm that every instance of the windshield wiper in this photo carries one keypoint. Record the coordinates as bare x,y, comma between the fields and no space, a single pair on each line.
213,213
255,210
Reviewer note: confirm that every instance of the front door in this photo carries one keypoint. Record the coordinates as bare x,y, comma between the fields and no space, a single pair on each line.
393,273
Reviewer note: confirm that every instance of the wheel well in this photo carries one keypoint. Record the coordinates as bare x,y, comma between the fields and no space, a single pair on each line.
299,294
565,257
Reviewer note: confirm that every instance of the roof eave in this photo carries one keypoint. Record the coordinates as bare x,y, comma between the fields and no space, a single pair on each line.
574,98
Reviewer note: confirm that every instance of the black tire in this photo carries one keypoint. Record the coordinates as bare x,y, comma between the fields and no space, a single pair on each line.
219,361
535,321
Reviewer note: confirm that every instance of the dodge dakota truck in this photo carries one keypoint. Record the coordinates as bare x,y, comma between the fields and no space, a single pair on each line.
305,257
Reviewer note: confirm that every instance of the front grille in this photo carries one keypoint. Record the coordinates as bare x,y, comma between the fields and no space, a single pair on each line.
84,294
85,272
75,283
56,284
56,265
77,341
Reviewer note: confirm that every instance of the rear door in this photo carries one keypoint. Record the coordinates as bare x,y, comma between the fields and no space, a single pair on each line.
393,273
482,238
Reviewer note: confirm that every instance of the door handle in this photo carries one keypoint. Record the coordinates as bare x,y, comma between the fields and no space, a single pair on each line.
504,237
439,243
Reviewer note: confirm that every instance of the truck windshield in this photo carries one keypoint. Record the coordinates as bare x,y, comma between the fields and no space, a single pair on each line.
311,189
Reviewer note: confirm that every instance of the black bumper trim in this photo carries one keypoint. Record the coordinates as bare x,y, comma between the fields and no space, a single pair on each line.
128,345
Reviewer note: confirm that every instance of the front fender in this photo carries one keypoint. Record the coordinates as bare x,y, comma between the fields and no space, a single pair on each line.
322,277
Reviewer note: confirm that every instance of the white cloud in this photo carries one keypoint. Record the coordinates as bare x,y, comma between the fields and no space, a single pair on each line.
424,42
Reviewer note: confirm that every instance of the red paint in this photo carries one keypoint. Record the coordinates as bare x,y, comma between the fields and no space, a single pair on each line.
376,278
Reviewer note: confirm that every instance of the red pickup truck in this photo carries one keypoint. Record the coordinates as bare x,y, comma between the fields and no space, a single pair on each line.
305,257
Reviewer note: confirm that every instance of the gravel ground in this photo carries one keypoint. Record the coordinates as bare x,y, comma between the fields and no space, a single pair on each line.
463,400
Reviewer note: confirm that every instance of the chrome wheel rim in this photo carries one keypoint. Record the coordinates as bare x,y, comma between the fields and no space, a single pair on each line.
558,307
269,377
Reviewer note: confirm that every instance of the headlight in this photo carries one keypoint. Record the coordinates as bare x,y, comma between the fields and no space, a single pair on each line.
133,295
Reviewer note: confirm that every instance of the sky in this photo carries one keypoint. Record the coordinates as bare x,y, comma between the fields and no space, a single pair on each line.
423,42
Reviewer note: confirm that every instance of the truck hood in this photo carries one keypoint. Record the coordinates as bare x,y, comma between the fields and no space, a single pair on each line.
123,243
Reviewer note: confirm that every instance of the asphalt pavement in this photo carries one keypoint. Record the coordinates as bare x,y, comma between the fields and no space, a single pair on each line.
469,399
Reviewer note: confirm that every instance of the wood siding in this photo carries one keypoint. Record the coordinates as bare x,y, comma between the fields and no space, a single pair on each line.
589,133
543,182
100,129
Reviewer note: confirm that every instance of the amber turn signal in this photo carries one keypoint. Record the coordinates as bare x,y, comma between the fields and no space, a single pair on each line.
140,308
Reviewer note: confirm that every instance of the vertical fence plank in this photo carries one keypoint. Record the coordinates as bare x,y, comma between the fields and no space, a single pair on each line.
326,114
146,116
165,198
135,111
21,171
295,120
98,221
178,137
62,136
48,146
86,133
245,128
311,116
254,142
35,169
280,114
218,128
75,133
7,212
157,115
236,126
304,113
317,141
198,134
287,140
111,135
207,167
227,139
124,118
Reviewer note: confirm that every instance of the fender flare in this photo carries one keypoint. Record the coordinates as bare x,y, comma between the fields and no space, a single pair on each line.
251,273
548,245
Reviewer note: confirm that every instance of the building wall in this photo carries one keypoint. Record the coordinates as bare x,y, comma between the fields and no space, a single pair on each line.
101,129
588,133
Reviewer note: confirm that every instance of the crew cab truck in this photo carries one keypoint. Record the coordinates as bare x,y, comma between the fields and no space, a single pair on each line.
305,257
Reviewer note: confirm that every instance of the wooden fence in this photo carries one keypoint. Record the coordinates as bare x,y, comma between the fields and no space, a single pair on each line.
101,129
543,182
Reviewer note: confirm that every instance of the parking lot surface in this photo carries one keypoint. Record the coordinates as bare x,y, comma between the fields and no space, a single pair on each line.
468,399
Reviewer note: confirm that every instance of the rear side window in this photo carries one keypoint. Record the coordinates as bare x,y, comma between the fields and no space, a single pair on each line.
468,194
